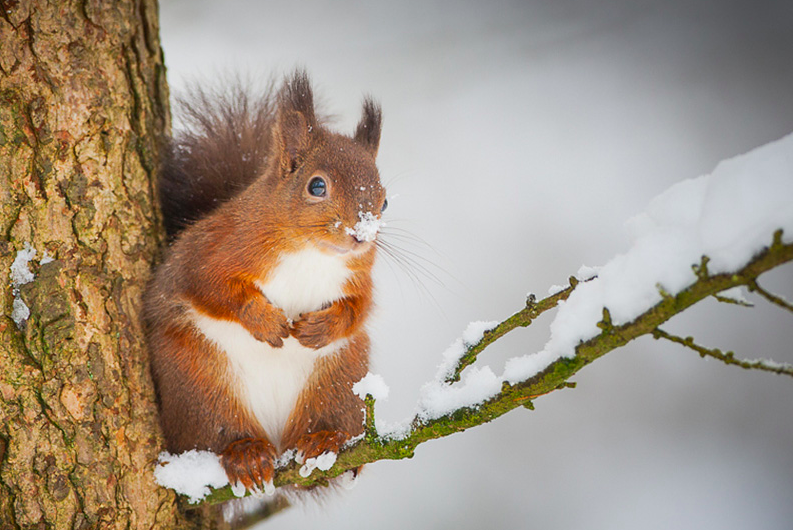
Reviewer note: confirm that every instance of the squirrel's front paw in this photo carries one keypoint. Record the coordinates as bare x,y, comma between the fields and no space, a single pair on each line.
314,330
264,321
315,444
249,465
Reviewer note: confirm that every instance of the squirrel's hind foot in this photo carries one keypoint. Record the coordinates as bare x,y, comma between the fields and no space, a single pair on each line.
249,465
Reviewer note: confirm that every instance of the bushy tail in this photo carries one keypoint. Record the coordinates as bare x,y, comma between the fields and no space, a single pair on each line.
220,149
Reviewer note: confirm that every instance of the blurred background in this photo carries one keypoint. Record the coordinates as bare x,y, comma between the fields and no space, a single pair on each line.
518,138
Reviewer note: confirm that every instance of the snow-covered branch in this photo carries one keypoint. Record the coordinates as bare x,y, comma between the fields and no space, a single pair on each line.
700,238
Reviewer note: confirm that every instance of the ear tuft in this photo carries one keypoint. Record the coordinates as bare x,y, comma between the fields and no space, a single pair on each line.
368,131
296,95
295,120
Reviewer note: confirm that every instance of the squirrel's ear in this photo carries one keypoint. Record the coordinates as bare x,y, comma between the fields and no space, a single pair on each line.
295,120
292,136
368,131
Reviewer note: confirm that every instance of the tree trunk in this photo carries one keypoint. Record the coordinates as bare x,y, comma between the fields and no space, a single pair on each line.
83,104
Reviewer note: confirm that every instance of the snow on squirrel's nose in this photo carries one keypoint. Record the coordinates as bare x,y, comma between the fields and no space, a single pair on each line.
366,228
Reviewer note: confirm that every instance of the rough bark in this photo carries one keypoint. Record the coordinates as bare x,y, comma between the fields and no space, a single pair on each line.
83,103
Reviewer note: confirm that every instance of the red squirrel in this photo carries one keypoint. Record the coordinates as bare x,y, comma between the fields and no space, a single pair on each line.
255,320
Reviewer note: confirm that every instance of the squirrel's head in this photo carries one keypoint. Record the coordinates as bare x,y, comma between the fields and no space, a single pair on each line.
328,182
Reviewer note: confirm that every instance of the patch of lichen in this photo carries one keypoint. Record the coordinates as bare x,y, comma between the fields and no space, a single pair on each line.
51,325
13,121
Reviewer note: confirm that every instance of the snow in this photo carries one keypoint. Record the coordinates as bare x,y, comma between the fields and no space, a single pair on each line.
470,337
393,430
439,398
729,216
586,272
21,275
553,289
196,473
736,294
372,384
192,473
323,462
20,312
367,228
284,458
476,331
519,369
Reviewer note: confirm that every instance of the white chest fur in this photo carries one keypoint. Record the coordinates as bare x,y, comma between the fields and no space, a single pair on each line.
269,380
305,281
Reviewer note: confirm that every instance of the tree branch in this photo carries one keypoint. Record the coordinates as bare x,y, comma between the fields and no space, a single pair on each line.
776,300
726,357
373,447
522,318
733,301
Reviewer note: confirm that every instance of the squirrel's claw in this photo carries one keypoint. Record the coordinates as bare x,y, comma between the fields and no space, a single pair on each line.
249,463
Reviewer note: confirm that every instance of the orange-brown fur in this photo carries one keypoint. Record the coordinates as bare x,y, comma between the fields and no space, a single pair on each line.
215,263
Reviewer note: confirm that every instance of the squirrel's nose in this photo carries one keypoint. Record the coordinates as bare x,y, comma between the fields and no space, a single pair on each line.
357,241
366,229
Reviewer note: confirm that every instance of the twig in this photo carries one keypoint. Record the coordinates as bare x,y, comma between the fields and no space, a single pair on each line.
776,300
733,301
522,318
726,357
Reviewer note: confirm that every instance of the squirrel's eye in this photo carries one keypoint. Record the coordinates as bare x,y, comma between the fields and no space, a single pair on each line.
317,187
385,205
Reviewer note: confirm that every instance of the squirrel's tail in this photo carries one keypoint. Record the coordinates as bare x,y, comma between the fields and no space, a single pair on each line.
220,149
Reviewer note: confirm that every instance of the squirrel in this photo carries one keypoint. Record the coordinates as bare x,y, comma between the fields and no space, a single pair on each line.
256,318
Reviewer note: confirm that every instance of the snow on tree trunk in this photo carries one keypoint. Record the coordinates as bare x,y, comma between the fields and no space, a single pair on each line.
83,102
